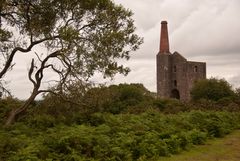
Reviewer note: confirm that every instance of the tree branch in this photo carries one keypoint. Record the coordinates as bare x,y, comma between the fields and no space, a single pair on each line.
39,73
30,72
10,59
61,96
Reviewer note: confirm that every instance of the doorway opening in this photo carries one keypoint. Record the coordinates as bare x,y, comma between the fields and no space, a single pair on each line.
175,94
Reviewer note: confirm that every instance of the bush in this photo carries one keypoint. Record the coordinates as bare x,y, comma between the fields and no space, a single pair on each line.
212,89
107,137
169,105
6,105
116,98
41,121
197,137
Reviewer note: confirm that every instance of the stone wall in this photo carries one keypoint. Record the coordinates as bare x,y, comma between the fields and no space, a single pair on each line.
176,75
163,75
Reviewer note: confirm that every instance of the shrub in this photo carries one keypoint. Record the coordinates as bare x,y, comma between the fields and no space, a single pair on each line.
169,105
116,98
152,145
212,89
41,121
6,105
197,137
174,144
145,136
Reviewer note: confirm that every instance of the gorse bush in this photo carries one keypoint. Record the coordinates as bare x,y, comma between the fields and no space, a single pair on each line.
108,137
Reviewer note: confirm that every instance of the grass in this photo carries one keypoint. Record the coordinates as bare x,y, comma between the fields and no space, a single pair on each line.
223,149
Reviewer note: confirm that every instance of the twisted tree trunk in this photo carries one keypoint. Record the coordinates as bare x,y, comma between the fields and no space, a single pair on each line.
15,112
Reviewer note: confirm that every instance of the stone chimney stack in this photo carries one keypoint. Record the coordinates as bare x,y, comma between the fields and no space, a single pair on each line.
164,43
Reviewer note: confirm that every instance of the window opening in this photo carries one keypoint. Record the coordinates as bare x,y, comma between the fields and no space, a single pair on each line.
174,68
195,69
175,83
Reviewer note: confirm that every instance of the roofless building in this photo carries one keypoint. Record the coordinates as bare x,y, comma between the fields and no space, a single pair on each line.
175,74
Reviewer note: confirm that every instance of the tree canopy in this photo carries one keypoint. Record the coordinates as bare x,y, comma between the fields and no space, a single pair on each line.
71,38
211,89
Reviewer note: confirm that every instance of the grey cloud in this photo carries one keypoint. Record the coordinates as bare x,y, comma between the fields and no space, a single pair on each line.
210,34
235,80
201,30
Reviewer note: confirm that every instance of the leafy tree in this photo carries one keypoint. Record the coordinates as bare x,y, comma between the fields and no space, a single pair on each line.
71,38
211,89
237,95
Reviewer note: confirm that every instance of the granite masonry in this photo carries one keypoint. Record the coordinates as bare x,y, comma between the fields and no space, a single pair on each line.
175,74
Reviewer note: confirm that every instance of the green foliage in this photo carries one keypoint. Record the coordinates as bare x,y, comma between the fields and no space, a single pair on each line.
41,121
169,105
216,124
6,105
212,89
237,95
62,131
109,137
78,38
116,99
90,33
197,137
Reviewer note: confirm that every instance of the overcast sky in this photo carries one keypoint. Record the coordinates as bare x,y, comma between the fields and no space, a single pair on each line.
200,30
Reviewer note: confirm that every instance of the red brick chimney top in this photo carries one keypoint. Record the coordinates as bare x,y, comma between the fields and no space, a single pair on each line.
164,43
